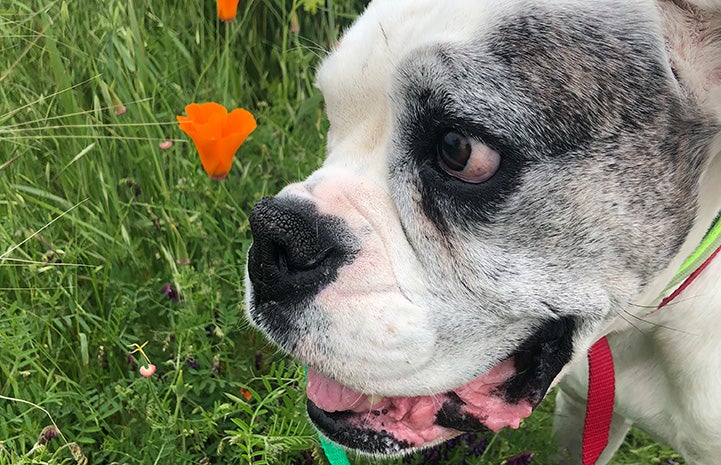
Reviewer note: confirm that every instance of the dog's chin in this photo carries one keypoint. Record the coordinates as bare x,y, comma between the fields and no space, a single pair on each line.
499,398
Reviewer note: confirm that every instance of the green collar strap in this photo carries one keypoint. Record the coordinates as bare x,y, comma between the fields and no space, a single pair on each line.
709,244
335,455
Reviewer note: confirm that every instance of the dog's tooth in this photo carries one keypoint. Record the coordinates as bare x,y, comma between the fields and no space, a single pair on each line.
374,398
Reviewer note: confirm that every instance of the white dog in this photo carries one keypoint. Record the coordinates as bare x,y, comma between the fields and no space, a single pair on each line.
507,181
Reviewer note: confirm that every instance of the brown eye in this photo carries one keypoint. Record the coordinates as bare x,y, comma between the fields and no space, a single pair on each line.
467,159
454,150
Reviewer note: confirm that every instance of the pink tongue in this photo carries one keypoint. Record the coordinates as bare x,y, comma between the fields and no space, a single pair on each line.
332,396
413,418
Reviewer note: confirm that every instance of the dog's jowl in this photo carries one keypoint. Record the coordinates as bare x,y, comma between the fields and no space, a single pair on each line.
506,182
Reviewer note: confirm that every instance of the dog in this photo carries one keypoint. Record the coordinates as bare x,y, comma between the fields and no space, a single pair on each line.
506,182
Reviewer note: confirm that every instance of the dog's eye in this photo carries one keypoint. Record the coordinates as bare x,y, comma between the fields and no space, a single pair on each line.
467,159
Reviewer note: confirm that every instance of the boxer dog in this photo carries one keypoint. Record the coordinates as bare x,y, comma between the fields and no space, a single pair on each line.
506,182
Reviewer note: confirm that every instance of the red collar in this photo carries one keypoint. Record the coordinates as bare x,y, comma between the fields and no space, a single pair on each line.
602,383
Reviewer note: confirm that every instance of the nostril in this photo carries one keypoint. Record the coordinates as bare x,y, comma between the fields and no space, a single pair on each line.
314,262
281,260
290,256
291,261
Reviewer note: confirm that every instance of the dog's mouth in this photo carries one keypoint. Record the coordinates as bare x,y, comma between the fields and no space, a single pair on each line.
499,398
393,424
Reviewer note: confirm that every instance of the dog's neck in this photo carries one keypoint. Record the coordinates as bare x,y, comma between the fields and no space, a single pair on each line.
693,40
709,205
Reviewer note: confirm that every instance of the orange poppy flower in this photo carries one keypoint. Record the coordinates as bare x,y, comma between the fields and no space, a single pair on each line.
217,134
227,9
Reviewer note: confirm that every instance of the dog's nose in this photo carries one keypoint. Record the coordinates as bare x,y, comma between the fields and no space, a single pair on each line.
295,251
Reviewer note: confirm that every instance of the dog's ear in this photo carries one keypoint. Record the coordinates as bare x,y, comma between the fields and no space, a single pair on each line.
693,40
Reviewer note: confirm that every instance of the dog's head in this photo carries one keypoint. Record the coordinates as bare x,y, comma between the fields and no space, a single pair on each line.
502,178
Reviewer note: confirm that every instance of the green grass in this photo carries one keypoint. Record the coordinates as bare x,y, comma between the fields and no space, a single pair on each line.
96,221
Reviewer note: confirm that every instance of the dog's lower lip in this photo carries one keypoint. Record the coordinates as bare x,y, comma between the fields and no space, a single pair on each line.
336,427
417,420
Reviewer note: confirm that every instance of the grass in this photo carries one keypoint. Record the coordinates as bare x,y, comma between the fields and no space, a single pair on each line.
107,241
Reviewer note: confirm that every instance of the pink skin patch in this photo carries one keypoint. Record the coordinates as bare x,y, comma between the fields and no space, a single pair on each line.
413,419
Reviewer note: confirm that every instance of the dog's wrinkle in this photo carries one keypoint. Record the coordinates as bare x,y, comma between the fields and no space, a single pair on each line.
383,239
410,242
385,37
551,308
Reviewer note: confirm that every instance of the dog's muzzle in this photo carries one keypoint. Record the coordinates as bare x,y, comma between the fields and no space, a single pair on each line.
296,252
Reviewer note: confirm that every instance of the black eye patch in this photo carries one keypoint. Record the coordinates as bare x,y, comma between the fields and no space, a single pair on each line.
425,125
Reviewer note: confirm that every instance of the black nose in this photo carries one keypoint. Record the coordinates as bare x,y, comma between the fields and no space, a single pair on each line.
295,252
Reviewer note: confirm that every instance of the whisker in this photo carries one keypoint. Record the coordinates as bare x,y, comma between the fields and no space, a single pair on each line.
676,301
435,396
315,48
650,307
657,325
631,323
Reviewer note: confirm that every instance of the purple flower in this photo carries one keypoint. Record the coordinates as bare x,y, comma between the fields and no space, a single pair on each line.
48,434
131,184
477,445
132,363
171,292
192,363
520,459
